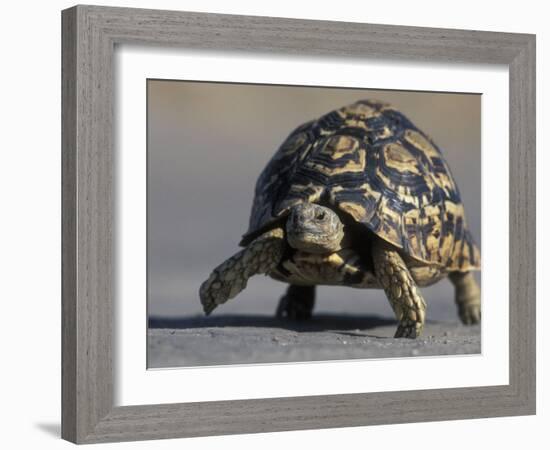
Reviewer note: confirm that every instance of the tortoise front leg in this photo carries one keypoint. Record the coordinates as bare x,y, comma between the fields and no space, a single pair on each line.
467,297
400,288
228,279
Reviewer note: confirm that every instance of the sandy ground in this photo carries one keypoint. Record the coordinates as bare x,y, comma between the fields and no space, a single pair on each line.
244,339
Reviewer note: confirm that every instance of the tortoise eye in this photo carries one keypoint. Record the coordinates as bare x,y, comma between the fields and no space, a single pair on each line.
321,215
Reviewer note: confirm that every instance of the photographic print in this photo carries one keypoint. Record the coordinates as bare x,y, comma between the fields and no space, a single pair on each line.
297,223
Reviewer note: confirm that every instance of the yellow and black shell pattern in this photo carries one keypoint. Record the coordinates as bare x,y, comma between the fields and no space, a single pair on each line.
370,162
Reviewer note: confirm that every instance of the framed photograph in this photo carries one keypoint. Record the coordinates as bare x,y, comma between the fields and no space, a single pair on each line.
277,224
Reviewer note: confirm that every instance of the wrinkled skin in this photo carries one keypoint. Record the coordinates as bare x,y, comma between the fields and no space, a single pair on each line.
314,229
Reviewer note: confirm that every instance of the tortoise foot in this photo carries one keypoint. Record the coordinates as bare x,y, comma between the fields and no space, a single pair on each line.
297,304
293,309
222,285
467,297
409,330
470,314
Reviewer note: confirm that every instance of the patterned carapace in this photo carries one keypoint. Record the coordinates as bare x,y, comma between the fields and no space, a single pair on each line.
368,161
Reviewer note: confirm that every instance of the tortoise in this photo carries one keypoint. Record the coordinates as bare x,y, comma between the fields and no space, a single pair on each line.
359,197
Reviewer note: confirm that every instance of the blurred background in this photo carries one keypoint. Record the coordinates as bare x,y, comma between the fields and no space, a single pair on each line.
207,144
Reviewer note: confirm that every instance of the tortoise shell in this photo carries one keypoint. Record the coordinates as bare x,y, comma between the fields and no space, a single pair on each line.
371,163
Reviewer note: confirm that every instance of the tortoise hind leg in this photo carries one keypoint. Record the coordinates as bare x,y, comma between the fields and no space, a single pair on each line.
297,303
467,297
405,298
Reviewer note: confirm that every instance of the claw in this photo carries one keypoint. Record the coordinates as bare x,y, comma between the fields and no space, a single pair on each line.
208,308
206,296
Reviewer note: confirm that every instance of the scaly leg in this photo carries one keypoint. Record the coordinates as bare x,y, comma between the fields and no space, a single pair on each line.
401,290
228,279
297,303
467,297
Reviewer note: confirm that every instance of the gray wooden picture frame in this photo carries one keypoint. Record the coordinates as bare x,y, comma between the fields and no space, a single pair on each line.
90,34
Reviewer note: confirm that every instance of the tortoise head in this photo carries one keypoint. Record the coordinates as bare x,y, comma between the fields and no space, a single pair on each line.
314,229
